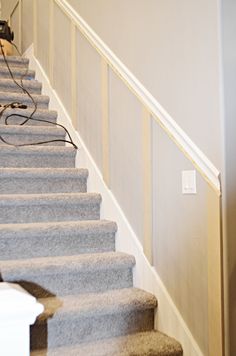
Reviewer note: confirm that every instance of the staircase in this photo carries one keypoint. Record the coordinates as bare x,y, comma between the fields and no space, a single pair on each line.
54,244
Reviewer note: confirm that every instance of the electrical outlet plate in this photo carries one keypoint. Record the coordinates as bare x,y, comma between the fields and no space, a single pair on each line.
189,182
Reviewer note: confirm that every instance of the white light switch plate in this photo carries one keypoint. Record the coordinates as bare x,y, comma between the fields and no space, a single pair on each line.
189,182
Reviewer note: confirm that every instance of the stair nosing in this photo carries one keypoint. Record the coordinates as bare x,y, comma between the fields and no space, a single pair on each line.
44,172
41,199
34,130
103,303
88,262
82,226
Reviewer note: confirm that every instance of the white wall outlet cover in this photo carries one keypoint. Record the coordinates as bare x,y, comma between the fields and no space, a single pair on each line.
189,182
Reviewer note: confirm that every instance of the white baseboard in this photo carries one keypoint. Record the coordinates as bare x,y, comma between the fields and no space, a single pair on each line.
168,318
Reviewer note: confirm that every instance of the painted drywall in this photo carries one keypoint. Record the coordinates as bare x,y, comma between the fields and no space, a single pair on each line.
172,47
27,24
7,7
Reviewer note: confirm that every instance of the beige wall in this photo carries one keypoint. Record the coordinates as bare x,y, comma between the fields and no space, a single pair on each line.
27,24
7,7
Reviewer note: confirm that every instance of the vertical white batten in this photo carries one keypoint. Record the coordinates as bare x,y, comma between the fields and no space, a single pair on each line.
147,184
105,122
35,27
51,39
74,74
35,8
20,26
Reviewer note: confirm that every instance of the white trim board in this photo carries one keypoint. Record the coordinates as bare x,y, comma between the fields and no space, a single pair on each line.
168,318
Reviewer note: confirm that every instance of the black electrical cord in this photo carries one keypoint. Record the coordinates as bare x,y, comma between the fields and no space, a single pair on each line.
21,105
20,86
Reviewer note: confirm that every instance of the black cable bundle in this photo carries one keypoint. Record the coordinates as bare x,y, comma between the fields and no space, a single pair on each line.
22,106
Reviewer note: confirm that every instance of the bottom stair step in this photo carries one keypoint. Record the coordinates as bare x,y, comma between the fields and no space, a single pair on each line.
82,318
150,343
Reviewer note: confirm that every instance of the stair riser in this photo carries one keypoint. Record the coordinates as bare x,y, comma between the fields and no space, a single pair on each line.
17,139
36,161
17,120
42,185
41,103
16,89
19,63
71,331
17,75
61,244
83,281
44,213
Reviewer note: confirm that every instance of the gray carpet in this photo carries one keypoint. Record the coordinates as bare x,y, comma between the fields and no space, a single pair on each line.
53,243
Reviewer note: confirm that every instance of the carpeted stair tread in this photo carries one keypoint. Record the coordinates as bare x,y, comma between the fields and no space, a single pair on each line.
66,264
17,134
95,304
44,172
37,156
19,72
149,343
16,61
33,86
23,208
40,114
49,199
19,241
41,100
64,275
72,320
42,180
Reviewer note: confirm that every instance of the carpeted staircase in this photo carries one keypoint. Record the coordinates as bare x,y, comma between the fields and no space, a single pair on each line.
54,244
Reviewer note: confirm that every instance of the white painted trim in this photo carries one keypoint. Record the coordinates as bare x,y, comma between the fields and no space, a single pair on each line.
168,319
18,310
192,152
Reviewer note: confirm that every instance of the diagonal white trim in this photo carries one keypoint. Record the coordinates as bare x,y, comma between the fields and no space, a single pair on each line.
191,151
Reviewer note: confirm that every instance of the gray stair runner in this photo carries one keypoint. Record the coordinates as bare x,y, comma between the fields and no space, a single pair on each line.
45,117
29,134
37,156
42,180
15,61
18,72
53,243
41,100
10,86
